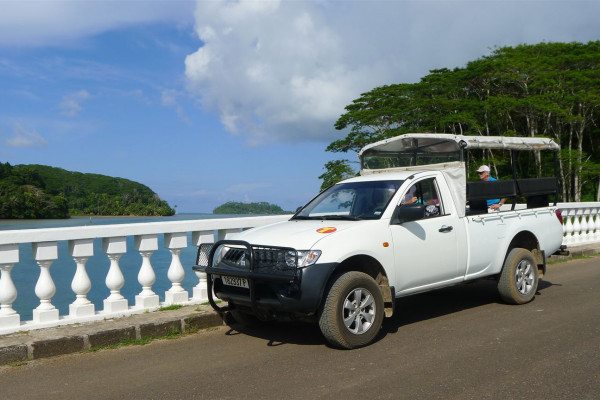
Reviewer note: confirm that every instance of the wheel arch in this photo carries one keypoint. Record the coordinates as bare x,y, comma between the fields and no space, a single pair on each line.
528,240
372,267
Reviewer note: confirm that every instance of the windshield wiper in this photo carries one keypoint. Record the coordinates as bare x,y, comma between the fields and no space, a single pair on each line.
340,217
327,217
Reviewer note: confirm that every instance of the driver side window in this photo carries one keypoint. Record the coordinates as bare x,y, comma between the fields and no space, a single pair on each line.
425,192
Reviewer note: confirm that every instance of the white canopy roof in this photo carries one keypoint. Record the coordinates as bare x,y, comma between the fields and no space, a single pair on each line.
441,152
439,142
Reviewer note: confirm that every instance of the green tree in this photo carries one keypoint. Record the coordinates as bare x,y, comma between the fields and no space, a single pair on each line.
233,207
336,171
38,191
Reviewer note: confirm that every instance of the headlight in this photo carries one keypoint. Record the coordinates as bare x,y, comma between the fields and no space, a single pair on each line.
290,258
219,254
308,257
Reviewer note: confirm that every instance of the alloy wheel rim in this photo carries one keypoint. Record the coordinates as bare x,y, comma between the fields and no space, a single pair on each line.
359,311
524,277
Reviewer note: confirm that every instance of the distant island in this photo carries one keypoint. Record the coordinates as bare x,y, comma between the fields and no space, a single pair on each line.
39,191
233,207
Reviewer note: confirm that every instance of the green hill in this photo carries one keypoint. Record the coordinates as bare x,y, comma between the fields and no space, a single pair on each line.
39,191
233,207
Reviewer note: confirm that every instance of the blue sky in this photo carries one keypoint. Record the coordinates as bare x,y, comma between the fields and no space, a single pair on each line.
214,101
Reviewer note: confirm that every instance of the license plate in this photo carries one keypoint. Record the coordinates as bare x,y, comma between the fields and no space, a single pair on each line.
235,281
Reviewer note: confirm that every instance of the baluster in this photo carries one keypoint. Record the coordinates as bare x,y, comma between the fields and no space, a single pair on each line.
568,227
81,250
587,225
593,225
146,245
45,253
175,242
200,292
226,233
9,256
584,225
115,247
577,226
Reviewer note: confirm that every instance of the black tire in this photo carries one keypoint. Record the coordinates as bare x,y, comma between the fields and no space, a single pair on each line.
340,322
519,278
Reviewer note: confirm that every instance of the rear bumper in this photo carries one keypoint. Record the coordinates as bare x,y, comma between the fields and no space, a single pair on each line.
562,251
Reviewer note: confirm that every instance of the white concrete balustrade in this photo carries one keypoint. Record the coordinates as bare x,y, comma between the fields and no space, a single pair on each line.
45,244
581,226
581,223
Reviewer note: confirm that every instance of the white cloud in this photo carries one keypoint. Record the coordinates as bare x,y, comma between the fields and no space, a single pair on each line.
24,138
71,103
60,22
284,71
267,66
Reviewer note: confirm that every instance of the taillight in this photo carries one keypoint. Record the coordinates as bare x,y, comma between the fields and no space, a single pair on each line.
559,216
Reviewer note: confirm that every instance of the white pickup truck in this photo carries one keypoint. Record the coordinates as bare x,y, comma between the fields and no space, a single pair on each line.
409,224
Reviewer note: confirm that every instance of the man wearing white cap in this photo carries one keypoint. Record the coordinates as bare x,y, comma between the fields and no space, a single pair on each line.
484,175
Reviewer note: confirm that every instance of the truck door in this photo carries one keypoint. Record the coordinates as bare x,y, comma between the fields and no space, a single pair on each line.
426,250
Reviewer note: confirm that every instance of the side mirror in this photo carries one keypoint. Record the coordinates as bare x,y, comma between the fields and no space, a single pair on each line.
407,213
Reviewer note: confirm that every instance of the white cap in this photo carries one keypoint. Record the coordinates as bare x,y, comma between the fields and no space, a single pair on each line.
484,168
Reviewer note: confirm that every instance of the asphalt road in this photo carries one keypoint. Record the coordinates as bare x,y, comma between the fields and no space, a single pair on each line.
455,343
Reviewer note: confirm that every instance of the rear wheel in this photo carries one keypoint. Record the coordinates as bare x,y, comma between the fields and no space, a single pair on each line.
353,311
519,278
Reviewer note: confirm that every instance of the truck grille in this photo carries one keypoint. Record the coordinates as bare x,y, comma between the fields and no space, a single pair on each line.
203,254
267,260
270,259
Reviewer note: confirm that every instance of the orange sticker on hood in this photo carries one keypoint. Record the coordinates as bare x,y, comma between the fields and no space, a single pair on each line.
329,229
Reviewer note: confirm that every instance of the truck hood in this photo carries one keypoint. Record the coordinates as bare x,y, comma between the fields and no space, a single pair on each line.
298,234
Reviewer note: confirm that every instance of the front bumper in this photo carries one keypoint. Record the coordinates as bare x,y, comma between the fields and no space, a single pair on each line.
271,290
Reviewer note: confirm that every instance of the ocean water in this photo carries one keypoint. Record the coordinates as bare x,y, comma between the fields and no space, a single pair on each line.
26,272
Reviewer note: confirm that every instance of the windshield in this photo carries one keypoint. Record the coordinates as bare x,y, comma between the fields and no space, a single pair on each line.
351,201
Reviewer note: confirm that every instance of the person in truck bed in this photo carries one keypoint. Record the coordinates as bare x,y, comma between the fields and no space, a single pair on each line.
484,175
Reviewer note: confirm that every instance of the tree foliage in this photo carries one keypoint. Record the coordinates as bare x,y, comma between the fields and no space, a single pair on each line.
337,170
38,191
547,89
262,207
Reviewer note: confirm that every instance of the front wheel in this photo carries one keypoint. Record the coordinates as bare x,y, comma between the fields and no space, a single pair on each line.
353,311
519,278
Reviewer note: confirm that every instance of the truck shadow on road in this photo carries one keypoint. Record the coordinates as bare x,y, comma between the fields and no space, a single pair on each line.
425,306
409,310
280,333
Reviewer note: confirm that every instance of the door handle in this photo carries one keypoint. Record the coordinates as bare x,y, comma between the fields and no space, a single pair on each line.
446,228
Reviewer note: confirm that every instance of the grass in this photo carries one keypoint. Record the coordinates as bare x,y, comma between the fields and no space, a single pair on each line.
571,258
17,363
172,334
130,342
171,307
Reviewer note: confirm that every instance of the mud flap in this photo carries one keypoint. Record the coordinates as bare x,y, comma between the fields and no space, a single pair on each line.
389,304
